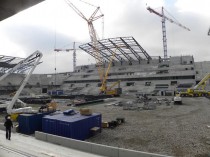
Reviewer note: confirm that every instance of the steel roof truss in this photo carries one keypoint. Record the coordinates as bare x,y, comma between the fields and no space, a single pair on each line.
125,54
131,49
110,51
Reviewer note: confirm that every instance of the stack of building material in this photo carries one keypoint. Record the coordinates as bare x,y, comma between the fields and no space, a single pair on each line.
85,111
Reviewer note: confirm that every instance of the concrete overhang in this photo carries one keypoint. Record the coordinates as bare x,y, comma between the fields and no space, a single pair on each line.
9,8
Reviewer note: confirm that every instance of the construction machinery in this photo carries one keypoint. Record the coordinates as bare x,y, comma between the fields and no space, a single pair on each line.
74,54
92,33
114,92
177,99
99,59
104,89
164,18
16,106
198,90
49,107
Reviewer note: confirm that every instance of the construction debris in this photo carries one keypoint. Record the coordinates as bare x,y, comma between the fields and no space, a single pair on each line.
145,103
114,123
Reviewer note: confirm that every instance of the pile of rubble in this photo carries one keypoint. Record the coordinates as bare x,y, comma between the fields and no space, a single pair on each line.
144,103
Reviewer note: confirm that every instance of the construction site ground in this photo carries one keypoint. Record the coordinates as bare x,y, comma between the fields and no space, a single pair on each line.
176,130
165,128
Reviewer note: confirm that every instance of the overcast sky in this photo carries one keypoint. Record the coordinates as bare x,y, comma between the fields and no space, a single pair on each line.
53,24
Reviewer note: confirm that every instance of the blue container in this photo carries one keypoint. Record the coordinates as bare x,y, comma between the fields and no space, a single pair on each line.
49,124
76,126
29,123
53,92
50,92
56,92
59,92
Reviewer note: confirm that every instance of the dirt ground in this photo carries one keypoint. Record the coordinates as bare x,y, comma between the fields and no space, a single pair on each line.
176,130
168,129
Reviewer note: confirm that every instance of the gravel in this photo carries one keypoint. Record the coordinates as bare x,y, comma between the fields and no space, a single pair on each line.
176,130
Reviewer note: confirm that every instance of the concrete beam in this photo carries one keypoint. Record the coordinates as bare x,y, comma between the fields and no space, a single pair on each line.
133,153
105,150
93,147
41,136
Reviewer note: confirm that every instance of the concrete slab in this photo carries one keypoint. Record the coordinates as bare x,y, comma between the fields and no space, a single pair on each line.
41,136
105,150
126,153
83,146
67,142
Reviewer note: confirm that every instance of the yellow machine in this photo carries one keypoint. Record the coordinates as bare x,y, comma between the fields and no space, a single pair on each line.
198,90
104,89
99,58
109,91
49,107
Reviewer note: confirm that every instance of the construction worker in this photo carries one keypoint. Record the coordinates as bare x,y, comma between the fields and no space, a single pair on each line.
8,125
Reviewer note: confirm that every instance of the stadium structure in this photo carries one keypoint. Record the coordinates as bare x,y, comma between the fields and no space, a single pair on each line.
136,70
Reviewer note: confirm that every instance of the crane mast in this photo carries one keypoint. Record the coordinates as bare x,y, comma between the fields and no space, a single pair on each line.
92,33
164,34
164,18
74,54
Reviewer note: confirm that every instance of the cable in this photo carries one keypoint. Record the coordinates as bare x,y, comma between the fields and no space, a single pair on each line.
103,27
171,15
55,68
88,3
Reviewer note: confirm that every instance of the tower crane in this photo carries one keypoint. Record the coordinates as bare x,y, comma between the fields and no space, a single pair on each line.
74,54
92,33
164,18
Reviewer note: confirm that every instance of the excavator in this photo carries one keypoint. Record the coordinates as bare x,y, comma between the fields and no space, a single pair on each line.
16,106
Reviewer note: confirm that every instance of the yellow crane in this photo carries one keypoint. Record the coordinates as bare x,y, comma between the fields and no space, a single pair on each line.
198,90
99,59
92,33
104,89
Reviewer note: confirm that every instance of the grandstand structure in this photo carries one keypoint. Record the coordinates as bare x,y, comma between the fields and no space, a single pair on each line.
124,49
7,62
133,66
